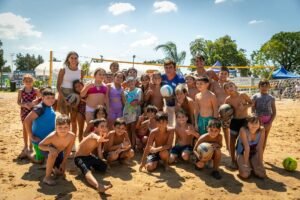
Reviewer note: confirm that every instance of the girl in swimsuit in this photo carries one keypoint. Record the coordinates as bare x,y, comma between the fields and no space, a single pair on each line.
116,99
96,94
250,148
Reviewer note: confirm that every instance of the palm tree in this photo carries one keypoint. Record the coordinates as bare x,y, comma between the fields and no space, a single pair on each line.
170,51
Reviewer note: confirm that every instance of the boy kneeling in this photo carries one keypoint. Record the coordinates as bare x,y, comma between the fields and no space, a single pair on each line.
214,138
119,145
85,160
57,147
158,145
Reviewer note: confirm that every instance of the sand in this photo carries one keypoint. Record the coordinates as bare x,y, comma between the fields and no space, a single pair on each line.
20,179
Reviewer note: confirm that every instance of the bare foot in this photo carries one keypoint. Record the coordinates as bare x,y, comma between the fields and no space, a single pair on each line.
49,181
102,188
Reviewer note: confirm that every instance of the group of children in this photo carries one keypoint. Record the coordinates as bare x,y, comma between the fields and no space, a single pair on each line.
117,116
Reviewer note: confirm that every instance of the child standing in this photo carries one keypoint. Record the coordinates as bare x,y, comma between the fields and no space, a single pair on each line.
250,148
116,99
145,79
264,107
191,85
57,147
240,103
40,122
156,98
185,133
26,97
77,87
85,160
132,108
96,94
206,106
184,102
217,87
215,138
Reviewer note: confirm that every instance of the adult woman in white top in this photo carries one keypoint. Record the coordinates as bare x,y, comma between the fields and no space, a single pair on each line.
66,76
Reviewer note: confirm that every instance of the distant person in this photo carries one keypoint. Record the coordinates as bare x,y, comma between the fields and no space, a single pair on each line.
240,102
66,76
172,79
57,147
114,67
264,107
250,149
27,96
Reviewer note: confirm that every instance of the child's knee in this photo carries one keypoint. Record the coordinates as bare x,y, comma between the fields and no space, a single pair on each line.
112,157
52,156
164,155
144,140
151,167
130,154
244,174
172,158
185,156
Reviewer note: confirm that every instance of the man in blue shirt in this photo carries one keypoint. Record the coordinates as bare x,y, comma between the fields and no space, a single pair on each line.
172,79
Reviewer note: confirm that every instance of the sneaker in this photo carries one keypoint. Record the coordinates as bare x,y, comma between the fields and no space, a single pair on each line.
216,174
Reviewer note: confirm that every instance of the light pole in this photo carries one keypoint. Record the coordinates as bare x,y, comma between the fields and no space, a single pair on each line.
133,57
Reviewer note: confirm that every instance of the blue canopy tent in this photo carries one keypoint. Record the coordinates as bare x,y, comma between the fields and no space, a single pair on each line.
216,67
281,73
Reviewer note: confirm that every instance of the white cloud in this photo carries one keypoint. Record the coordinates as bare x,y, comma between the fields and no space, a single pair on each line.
14,26
255,22
31,48
87,46
164,6
199,36
148,40
117,28
120,8
219,1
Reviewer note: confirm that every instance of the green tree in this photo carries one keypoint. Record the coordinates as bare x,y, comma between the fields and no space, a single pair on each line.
28,62
170,51
223,49
2,62
259,59
85,68
158,61
283,50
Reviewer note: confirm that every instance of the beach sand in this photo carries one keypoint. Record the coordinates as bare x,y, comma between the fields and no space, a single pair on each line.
19,179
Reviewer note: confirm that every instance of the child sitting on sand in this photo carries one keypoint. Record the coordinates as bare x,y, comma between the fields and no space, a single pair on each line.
57,147
85,160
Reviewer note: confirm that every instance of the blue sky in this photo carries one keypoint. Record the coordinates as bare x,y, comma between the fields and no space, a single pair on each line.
120,29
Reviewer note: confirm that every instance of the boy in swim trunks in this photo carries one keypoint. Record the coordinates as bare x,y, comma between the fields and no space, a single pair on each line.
240,102
184,133
215,139
118,147
158,145
264,107
206,106
89,148
57,147
40,122
217,87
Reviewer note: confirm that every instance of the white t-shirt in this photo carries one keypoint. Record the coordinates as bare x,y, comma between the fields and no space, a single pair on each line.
70,76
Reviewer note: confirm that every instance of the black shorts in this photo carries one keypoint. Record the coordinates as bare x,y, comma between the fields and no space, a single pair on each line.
153,157
236,125
177,149
85,163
